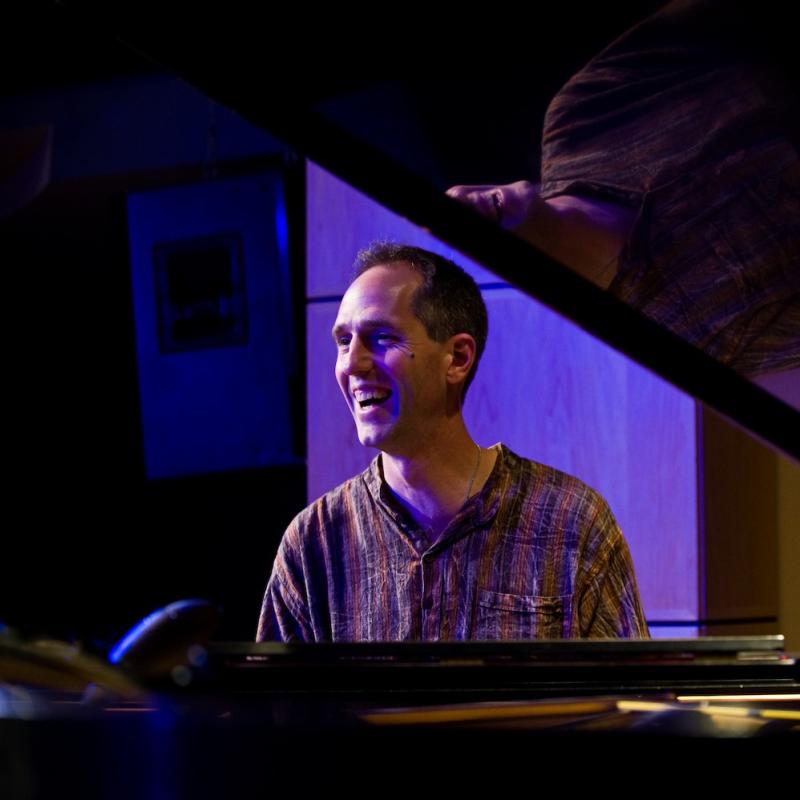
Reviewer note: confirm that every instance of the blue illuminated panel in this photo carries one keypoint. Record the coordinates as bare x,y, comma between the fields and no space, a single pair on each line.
213,325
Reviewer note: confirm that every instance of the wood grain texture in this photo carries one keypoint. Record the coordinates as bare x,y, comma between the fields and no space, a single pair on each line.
340,221
570,402
547,389
334,452
555,394
741,522
789,550
676,632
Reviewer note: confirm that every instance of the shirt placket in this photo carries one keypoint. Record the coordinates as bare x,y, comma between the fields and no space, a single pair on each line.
431,605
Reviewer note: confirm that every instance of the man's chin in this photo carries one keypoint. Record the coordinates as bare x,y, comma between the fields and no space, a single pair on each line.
369,437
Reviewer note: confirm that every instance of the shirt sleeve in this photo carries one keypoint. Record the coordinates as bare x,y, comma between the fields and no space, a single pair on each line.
610,606
284,612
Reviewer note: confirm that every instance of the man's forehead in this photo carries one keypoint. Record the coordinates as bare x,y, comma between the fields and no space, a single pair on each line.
390,275
386,287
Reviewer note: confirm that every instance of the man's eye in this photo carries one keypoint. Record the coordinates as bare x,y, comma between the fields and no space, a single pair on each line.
342,341
384,337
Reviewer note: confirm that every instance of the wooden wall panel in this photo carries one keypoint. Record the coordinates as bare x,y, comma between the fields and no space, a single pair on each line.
675,632
334,452
547,389
789,550
741,524
340,221
557,395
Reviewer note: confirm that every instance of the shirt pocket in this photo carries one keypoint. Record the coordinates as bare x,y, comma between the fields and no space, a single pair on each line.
517,616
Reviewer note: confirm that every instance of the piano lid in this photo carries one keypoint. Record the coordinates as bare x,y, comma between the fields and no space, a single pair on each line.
263,82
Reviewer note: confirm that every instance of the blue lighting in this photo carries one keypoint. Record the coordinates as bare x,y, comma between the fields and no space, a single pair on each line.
214,333
135,634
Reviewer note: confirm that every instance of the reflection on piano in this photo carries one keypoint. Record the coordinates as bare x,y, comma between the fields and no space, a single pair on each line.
333,716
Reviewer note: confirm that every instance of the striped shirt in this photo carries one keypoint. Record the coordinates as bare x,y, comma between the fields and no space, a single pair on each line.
535,554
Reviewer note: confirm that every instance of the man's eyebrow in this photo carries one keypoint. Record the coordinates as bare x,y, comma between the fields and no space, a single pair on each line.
367,325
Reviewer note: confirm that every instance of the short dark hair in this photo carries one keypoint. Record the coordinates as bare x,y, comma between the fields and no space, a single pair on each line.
448,301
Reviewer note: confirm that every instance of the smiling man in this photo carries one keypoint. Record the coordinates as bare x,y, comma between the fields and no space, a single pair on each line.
440,538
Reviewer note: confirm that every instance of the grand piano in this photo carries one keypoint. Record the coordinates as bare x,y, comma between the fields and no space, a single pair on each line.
196,714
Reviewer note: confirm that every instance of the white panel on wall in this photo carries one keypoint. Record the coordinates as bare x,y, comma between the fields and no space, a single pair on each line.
546,388
675,632
341,221
334,452
555,394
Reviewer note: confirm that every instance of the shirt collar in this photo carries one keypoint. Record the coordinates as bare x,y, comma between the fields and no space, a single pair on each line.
479,510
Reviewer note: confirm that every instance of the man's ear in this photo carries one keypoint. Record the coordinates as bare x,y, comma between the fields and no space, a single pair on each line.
462,352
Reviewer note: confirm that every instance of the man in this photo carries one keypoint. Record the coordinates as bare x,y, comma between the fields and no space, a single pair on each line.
440,538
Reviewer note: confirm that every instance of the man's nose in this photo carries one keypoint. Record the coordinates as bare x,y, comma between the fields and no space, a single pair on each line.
358,357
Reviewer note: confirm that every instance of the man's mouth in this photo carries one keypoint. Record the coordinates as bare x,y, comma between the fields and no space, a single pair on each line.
366,398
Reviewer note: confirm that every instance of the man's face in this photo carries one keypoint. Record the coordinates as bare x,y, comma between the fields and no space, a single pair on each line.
391,373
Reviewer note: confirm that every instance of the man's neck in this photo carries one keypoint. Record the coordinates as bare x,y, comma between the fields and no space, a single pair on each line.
435,481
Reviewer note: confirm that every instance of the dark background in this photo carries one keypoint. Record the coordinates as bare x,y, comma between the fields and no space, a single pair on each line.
91,545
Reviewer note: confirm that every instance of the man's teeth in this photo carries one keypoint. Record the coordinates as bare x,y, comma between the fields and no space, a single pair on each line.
366,399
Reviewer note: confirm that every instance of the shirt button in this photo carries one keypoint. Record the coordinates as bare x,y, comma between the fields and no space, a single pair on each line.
427,603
